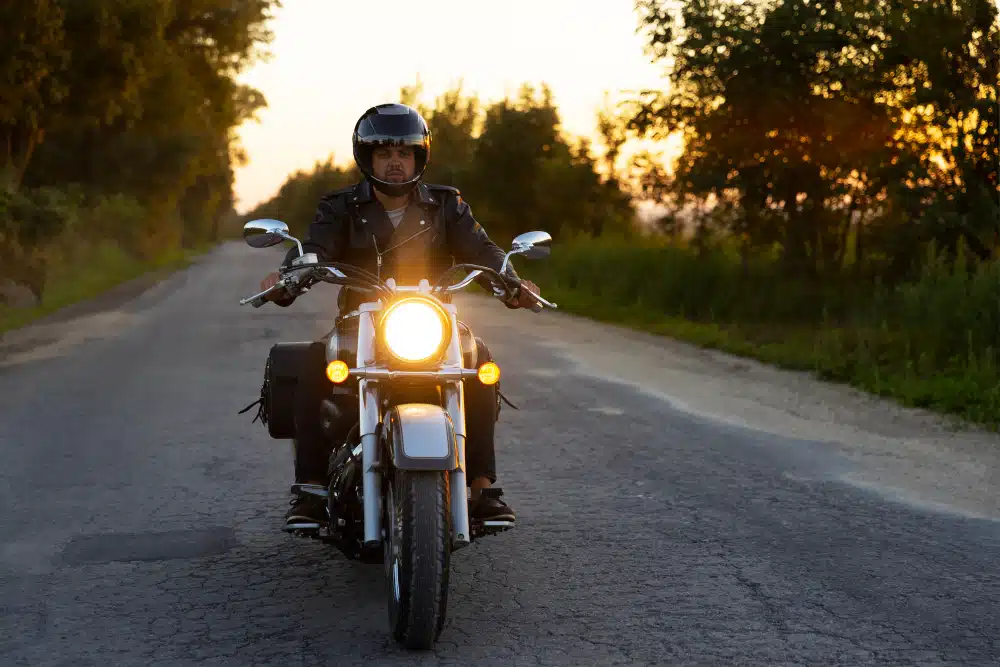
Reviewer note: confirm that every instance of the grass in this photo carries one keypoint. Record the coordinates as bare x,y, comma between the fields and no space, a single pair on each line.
931,344
91,273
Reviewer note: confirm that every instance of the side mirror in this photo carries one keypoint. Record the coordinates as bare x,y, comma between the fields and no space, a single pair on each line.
532,245
264,233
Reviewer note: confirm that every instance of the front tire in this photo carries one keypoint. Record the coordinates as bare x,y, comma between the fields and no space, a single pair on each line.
417,555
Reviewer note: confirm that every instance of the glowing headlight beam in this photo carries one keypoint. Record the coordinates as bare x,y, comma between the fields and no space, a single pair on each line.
414,330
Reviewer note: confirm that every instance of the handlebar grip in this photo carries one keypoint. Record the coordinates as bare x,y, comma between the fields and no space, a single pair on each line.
537,306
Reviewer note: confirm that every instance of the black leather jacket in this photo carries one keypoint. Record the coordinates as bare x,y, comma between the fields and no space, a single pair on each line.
437,231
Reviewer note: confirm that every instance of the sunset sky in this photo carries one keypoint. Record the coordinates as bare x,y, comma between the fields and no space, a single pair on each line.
332,60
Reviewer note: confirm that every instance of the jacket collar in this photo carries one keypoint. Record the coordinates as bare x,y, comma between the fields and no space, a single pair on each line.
363,194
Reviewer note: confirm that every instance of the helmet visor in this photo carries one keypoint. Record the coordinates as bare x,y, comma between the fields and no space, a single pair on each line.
392,129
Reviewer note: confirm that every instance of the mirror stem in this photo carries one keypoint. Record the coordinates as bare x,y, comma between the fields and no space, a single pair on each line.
298,243
506,259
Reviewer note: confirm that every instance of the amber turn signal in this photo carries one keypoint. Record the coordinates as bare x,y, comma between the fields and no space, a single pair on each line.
337,371
489,373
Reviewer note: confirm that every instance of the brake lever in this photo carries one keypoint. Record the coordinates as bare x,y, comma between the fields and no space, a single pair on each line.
288,280
539,302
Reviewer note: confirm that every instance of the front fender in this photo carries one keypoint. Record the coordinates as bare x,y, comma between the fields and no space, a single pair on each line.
420,436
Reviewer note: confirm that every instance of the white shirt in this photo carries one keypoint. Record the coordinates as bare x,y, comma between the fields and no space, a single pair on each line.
396,215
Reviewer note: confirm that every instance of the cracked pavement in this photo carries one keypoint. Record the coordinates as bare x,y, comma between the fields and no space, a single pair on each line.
657,525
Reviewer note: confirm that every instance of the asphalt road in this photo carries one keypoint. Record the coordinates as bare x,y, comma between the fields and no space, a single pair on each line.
141,515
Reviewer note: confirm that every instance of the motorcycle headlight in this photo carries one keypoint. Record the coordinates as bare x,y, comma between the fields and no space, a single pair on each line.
416,330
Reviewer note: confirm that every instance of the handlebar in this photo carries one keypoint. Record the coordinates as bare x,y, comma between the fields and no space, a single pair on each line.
298,279
511,286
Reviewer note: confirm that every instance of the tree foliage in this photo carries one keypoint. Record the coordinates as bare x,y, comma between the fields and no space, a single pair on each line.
129,97
834,130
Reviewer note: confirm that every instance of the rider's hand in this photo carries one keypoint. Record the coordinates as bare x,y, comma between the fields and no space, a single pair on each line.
524,300
270,281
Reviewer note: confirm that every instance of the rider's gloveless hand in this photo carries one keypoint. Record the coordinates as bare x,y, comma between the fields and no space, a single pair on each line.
524,300
270,281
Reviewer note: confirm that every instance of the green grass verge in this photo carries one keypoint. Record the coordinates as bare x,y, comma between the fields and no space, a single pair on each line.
97,271
876,360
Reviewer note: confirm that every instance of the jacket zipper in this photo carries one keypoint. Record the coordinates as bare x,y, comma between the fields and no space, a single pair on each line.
422,231
378,253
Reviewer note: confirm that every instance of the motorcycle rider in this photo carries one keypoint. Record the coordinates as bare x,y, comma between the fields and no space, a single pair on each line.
395,225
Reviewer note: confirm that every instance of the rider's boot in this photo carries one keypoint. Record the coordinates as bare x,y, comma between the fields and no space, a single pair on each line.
489,507
308,512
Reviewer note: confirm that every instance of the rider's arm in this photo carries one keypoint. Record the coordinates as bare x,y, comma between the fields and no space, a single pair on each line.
323,238
468,241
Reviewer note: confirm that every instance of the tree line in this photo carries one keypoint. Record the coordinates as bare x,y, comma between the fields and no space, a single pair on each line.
835,134
509,158
117,120
839,139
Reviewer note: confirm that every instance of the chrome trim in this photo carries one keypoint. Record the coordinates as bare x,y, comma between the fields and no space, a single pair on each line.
289,527
506,260
443,375
423,288
278,285
542,300
461,535
298,244
454,404
533,245
464,283
368,421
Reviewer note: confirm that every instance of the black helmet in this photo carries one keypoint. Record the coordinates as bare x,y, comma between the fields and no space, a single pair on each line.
391,125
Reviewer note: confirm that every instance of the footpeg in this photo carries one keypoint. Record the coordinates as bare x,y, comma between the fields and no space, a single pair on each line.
302,526
311,489
484,528
305,530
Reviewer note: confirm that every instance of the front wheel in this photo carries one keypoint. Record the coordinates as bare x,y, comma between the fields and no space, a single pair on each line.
417,555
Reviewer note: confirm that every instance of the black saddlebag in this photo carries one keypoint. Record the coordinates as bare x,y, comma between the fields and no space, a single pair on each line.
281,375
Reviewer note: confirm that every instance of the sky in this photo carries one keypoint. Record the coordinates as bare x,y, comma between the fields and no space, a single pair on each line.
331,60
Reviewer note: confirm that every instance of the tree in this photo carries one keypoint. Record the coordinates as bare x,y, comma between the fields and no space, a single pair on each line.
823,121
32,56
152,105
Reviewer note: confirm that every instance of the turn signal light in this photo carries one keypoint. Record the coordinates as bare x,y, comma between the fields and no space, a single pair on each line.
337,371
489,373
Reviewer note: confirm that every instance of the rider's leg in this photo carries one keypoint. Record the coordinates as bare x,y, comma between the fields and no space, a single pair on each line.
311,445
482,408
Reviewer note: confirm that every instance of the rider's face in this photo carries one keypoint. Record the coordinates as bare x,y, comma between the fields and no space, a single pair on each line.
394,164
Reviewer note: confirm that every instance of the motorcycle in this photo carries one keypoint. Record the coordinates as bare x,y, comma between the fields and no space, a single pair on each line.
396,492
